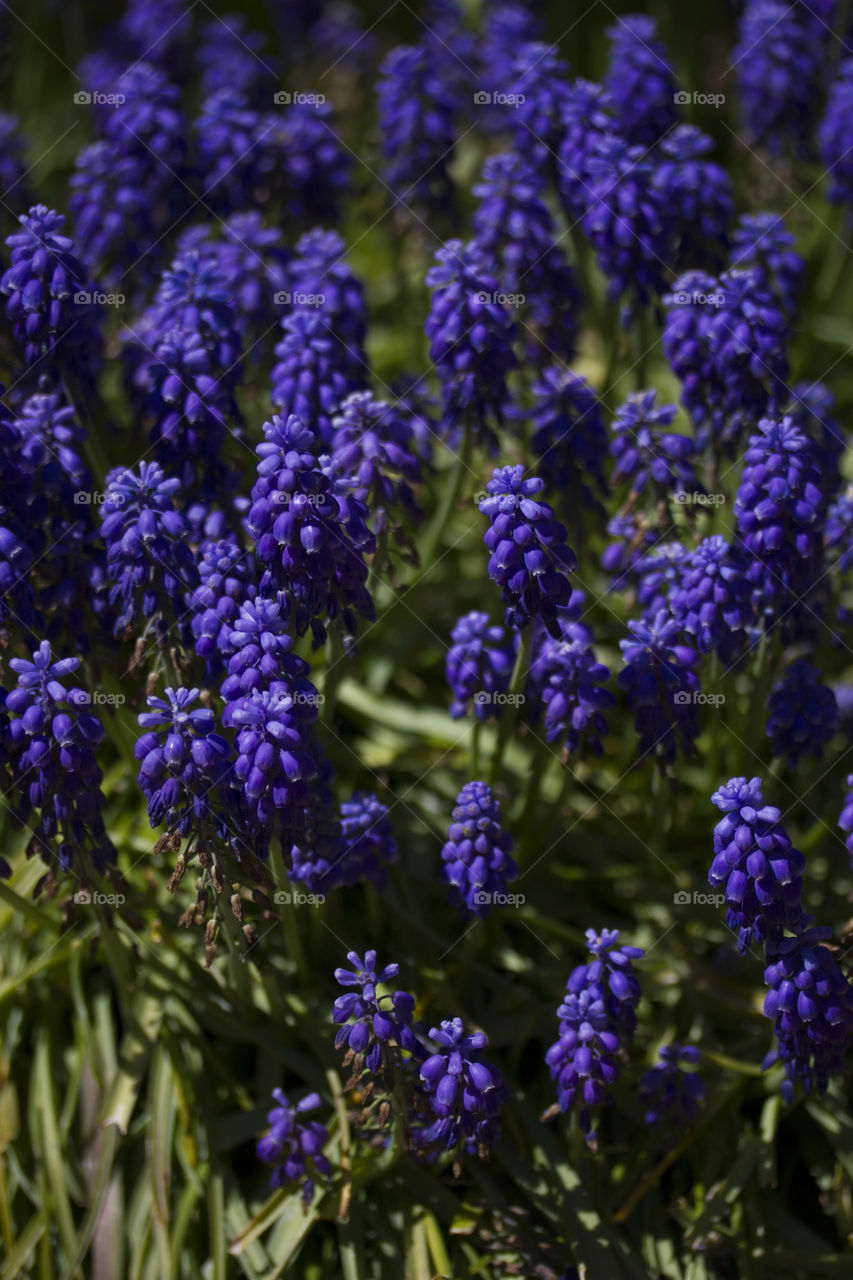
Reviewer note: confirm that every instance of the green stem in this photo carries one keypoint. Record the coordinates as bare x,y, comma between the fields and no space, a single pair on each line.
640,366
716,734
335,671
118,961
461,467
236,941
510,711
474,748
290,931
613,336
538,766
581,258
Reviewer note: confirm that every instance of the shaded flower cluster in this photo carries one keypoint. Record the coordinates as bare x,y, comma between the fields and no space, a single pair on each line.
477,857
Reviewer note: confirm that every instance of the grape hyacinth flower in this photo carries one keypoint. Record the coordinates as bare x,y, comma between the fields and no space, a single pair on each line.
323,279
812,409
12,166
185,766
417,123
645,454
673,1097
657,574
370,847
465,1093
309,379
698,193
239,161
632,538
529,558
43,477
149,119
311,544
49,293
312,162
255,270
833,132
129,187
781,510
226,573
640,80
779,60
367,1021
712,600
583,1060
192,407
845,822
479,666
276,762
478,854
515,231
294,1145
726,340
261,652
162,27
50,442
149,560
569,683
660,683
755,864
626,222
232,56
610,974
802,714
50,739
373,453
838,533
587,119
762,243
570,439
597,1014
193,296
811,1004
540,83
318,853
471,336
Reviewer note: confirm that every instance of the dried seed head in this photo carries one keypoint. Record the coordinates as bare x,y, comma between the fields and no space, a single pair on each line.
177,875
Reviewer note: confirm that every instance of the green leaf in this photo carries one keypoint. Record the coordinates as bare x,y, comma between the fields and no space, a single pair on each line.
133,1062
53,1153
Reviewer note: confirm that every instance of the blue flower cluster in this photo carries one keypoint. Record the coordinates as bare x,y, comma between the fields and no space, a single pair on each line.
597,1018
